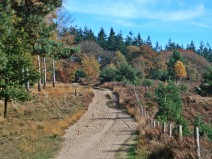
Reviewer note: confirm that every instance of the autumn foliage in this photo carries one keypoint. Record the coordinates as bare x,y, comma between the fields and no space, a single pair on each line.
180,70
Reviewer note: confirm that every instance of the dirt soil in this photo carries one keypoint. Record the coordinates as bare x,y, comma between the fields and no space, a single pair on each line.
99,133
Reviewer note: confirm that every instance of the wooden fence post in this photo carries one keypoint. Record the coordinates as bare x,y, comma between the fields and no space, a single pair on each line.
154,123
180,132
147,114
151,122
170,130
197,141
158,123
75,92
147,122
141,110
164,127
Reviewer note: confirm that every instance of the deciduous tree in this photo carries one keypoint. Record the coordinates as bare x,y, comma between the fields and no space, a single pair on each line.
176,56
179,69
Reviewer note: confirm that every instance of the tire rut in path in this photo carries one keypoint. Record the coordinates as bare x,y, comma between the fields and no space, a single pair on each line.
99,133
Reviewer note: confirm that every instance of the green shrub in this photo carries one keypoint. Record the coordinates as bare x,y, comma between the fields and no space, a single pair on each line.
80,74
182,121
148,95
147,83
159,74
126,73
170,105
183,87
206,86
108,74
205,129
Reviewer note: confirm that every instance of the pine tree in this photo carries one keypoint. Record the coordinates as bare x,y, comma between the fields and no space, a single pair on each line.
78,35
17,69
88,34
32,18
171,46
31,15
191,46
129,39
157,48
137,40
5,29
206,85
170,102
201,48
148,41
119,43
102,38
111,40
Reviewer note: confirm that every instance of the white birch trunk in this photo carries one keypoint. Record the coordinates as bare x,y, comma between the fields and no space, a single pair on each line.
44,70
39,71
53,74
23,76
27,85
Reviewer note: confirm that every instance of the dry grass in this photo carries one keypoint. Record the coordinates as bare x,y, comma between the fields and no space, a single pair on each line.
152,143
194,104
155,144
33,129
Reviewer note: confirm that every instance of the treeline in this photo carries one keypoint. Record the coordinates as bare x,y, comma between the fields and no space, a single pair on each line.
130,59
36,45
115,41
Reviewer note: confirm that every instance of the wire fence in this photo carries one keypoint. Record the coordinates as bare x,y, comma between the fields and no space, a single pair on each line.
173,130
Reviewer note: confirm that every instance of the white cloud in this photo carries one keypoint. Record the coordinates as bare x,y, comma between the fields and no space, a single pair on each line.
183,14
200,24
135,9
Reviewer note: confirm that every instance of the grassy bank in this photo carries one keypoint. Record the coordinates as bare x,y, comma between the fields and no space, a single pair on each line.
151,142
33,129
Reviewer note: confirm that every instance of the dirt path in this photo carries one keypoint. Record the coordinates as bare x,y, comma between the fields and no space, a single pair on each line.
99,133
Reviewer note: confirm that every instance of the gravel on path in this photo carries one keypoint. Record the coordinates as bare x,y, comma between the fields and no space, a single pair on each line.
99,133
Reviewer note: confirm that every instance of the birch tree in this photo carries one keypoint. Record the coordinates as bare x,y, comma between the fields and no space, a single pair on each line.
180,71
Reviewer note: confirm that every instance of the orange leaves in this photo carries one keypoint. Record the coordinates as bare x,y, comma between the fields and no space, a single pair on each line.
68,39
180,70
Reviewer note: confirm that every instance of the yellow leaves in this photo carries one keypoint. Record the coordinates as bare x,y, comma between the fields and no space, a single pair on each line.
91,67
180,70
132,49
118,59
54,36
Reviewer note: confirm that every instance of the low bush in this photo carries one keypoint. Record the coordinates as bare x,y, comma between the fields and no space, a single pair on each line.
124,73
80,74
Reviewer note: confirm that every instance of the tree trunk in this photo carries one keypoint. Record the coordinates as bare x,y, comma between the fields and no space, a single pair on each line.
53,75
28,84
39,71
44,70
5,106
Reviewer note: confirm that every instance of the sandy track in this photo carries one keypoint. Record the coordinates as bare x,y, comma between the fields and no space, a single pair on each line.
99,133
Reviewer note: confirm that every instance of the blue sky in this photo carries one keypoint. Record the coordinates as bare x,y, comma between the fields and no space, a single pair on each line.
180,20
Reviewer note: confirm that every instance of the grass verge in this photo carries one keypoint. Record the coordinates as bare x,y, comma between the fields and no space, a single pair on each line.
128,149
33,129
